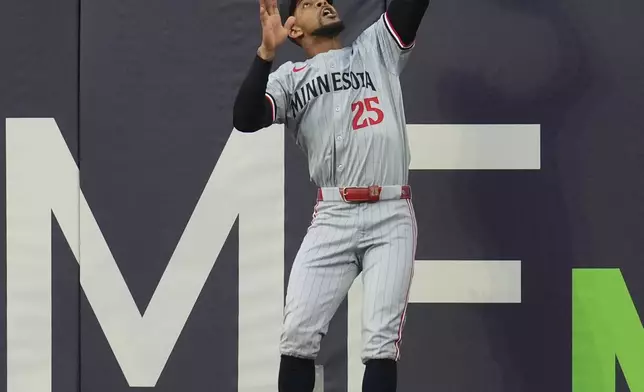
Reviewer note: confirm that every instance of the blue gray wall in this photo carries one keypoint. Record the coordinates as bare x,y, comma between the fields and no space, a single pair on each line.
142,93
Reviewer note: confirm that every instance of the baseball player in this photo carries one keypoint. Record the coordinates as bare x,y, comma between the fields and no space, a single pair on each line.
344,107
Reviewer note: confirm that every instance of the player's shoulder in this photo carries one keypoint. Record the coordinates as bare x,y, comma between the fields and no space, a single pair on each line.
296,71
291,69
370,32
283,69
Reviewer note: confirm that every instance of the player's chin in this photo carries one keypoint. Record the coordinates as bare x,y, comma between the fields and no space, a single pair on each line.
330,20
330,29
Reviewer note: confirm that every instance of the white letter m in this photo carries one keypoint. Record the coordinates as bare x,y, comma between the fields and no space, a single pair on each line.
42,178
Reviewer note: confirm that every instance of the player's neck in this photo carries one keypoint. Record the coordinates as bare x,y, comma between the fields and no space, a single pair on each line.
322,45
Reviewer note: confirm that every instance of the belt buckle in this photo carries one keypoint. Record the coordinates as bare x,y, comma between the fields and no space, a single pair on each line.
374,193
343,193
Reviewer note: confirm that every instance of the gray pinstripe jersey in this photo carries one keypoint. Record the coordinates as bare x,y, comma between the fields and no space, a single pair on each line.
345,110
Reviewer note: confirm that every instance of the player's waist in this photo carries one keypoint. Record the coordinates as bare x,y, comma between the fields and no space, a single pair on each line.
364,194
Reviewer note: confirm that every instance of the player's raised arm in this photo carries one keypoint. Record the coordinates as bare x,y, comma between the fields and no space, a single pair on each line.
393,35
404,18
256,105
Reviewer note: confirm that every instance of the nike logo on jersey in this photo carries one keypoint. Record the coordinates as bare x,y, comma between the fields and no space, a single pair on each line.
296,69
336,81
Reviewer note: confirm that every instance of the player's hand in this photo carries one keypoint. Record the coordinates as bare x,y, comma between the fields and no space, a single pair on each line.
273,33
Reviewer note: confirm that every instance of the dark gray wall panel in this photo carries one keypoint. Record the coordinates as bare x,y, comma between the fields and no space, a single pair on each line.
38,78
551,63
155,88
157,84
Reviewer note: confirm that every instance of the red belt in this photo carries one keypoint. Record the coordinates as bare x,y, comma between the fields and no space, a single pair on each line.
365,194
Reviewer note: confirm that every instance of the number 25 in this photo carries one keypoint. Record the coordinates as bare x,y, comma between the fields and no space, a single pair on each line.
360,106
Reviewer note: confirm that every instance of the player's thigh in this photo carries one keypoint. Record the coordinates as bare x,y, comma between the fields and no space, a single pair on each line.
326,259
318,282
322,273
387,274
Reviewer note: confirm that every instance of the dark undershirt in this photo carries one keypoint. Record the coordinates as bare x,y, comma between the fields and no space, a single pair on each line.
253,111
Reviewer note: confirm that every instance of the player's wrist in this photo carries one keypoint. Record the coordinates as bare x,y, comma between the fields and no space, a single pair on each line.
266,54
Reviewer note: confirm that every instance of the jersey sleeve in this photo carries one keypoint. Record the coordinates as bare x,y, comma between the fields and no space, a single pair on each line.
278,93
390,48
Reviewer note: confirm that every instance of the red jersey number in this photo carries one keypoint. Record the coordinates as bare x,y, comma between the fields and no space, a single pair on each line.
370,105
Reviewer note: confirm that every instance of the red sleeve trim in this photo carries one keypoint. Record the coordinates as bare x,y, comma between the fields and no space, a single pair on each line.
273,106
395,35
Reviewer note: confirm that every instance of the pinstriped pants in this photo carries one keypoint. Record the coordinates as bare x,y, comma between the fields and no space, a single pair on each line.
344,240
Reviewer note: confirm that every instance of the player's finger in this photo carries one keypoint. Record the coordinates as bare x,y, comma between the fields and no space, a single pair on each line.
268,6
273,7
290,22
263,15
